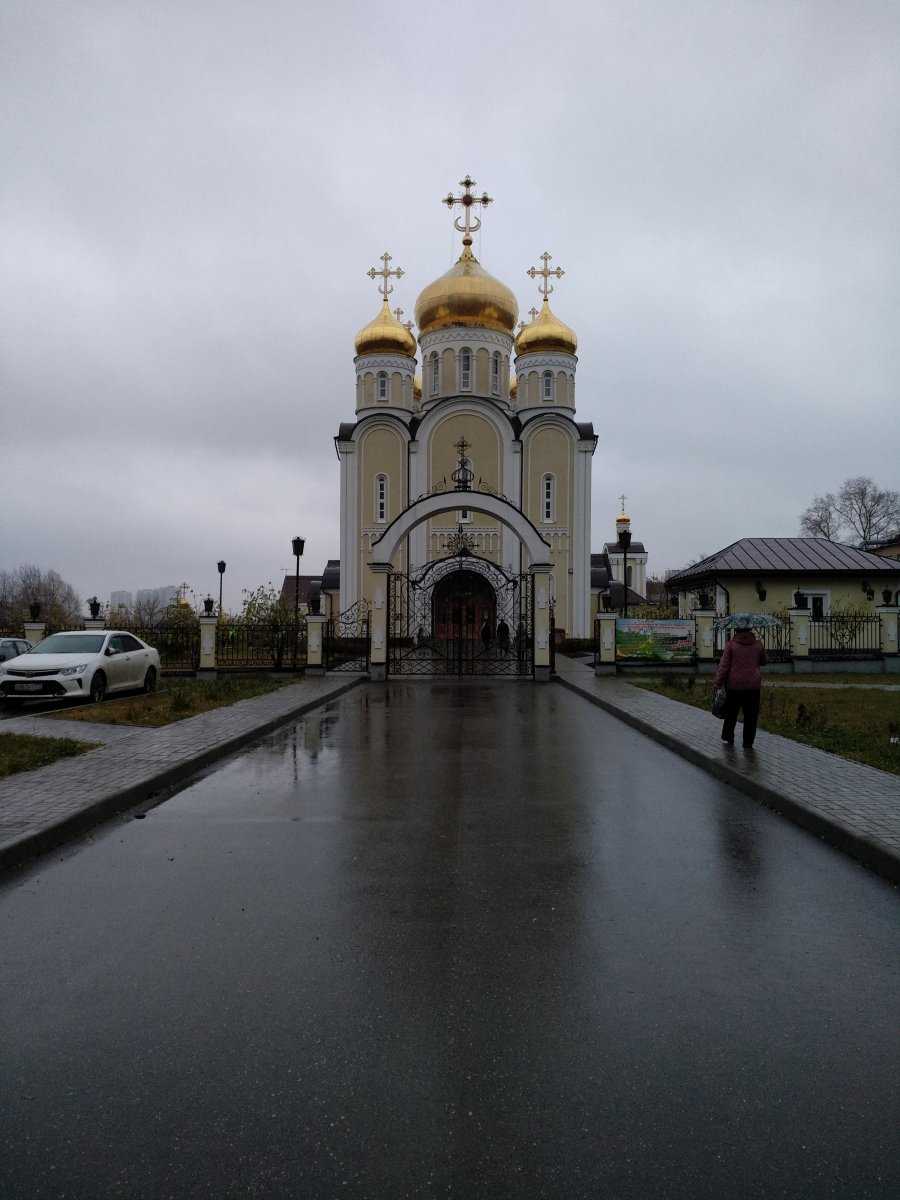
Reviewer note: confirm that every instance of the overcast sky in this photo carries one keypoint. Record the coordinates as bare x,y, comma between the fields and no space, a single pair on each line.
191,194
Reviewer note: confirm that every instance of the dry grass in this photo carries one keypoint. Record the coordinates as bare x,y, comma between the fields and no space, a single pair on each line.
20,752
856,724
181,698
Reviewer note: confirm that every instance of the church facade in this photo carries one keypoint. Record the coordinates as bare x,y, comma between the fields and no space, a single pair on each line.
476,416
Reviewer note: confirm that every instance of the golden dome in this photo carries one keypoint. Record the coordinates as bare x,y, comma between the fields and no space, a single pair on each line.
385,335
417,386
623,517
546,332
513,386
466,295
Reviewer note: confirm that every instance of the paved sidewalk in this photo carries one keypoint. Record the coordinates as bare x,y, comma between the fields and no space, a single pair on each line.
39,809
850,805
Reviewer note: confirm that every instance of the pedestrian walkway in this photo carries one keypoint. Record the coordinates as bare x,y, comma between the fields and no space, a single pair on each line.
40,809
871,687
852,806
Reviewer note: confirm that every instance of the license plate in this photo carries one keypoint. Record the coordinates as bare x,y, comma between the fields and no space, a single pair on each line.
29,687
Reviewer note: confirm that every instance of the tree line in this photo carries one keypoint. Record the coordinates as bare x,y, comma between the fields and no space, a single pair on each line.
861,512
28,584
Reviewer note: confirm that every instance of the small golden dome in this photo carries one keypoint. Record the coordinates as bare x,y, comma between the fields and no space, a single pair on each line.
546,332
385,335
623,518
513,386
466,295
417,386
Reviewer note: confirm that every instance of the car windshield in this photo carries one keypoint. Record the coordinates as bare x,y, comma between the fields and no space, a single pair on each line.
69,643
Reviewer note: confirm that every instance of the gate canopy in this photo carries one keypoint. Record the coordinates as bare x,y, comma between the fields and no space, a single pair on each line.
483,502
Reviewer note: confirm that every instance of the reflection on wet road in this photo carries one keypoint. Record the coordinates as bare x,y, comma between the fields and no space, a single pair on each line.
451,939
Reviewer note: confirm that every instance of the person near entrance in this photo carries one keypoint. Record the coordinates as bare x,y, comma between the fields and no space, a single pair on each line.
739,673
503,636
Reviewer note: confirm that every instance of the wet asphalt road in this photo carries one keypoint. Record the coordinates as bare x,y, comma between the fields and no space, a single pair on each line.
442,940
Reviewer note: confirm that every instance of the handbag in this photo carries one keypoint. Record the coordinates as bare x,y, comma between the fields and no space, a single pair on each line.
720,697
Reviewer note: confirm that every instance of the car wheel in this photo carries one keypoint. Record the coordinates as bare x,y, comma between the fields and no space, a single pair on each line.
98,687
150,680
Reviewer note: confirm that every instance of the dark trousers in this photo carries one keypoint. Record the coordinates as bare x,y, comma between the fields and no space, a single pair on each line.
734,702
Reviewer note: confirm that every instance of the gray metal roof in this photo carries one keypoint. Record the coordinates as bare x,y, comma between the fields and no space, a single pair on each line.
615,548
331,576
791,555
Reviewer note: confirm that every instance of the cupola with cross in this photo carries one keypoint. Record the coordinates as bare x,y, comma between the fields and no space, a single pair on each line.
466,319
545,350
385,351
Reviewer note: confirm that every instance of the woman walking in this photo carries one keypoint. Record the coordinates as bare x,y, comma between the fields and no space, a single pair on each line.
739,673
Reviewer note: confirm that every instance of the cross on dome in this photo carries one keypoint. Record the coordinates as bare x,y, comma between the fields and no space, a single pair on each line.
545,287
533,312
622,498
398,313
384,287
471,224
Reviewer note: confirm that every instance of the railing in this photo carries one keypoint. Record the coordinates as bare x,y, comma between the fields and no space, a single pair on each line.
844,635
178,645
264,645
345,646
775,638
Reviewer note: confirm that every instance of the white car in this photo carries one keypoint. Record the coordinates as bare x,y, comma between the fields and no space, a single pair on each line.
13,647
80,664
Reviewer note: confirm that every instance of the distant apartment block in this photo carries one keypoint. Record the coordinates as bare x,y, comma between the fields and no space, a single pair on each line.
162,597
121,599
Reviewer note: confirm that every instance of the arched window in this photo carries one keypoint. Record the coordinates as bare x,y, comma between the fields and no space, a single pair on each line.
495,373
465,514
435,373
465,370
381,499
548,385
548,498
382,385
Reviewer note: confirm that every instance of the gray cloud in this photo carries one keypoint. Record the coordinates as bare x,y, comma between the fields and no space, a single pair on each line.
192,194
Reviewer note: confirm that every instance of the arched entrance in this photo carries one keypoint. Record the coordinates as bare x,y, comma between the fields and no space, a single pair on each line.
461,615
463,605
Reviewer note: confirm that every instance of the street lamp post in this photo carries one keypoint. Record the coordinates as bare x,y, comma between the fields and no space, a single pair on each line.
297,545
221,565
625,542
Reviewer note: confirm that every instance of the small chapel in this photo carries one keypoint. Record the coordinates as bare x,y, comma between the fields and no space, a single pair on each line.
466,469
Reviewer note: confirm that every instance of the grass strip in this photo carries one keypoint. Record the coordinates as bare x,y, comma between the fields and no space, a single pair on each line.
855,724
182,698
21,752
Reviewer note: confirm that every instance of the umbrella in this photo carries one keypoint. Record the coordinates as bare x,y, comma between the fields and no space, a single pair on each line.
755,621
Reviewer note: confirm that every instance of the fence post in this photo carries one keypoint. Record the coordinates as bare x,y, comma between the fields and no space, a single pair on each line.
704,638
799,637
94,623
605,639
34,631
541,573
207,645
378,659
315,623
889,619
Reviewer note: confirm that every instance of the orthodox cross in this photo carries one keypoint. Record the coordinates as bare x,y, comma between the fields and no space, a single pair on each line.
623,498
545,287
384,287
533,312
463,475
398,313
470,223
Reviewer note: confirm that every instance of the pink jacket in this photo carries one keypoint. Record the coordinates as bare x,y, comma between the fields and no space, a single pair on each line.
740,662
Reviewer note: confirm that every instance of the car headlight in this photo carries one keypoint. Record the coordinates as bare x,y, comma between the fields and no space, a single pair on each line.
74,670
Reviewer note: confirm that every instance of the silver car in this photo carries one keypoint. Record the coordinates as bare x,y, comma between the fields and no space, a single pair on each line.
12,647
88,664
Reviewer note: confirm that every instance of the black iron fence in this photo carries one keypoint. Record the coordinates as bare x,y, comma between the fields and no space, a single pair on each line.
265,645
178,645
345,646
845,635
775,638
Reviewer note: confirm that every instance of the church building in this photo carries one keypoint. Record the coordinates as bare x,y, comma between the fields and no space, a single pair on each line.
480,410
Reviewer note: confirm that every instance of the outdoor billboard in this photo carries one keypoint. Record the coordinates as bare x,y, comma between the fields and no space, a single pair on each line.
654,641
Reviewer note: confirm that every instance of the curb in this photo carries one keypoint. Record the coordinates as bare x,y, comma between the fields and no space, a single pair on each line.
876,857
33,844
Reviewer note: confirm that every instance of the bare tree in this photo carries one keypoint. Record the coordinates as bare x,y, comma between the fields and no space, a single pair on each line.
871,512
148,612
59,603
821,519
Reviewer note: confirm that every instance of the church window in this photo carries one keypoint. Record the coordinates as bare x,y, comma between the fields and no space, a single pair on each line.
465,370
548,498
381,498
495,374
548,385
435,373
382,385
628,576
465,515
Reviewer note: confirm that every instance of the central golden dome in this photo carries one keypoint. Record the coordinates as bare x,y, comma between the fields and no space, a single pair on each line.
466,295
546,332
385,335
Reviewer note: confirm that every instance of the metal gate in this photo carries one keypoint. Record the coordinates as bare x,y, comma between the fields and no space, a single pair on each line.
461,616
345,646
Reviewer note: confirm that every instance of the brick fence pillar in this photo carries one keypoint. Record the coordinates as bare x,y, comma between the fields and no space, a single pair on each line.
379,627
208,645
34,631
704,637
315,664
889,616
799,637
605,642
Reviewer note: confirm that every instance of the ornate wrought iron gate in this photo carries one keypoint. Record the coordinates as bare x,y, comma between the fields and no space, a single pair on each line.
461,616
346,643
